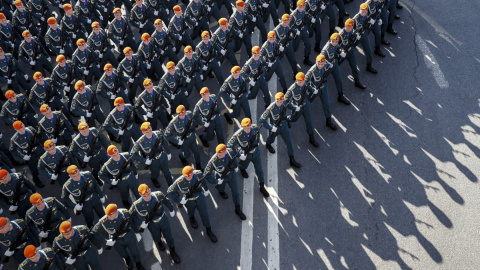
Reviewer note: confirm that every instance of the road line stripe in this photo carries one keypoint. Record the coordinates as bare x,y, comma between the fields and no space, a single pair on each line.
431,62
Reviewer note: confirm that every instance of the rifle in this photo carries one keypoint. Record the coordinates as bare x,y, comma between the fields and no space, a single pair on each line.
59,165
32,141
259,72
239,92
91,146
121,230
177,84
250,142
20,109
150,54
194,66
229,168
18,241
134,70
182,30
89,62
10,69
194,189
151,215
187,129
282,114
145,17
57,127
118,176
125,123
16,193
153,152
284,43
79,248
209,56
227,39
91,106
50,261
104,43
83,196
300,101
212,110
48,93
116,83
125,28
70,75
35,52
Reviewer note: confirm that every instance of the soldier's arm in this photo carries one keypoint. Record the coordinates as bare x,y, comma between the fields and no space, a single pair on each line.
104,174
136,151
42,168
224,92
173,192
29,184
50,46
133,167
68,125
108,125
111,35
32,97
74,149
66,198
231,22
288,96
197,115
31,225
96,187
264,119
5,116
138,106
209,173
134,216
62,208
4,203
97,238
132,18
76,109
103,140
169,133
167,203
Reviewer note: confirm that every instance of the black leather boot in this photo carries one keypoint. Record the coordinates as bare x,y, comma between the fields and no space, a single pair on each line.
204,142
38,182
156,183
312,140
239,212
371,69
244,173
270,148
128,263
384,42
390,29
161,246
359,84
330,123
210,234
307,61
317,48
293,162
193,222
174,255
126,204
341,98
223,194
263,190
183,160
198,167
379,52
140,266
229,120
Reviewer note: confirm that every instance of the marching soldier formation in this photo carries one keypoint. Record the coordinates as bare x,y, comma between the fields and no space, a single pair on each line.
142,60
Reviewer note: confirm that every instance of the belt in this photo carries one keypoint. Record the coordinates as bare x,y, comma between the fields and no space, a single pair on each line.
22,245
159,218
89,198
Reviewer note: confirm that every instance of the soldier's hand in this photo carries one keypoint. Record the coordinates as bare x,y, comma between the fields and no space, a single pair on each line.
155,12
144,225
43,234
281,48
112,96
62,51
12,208
312,20
252,83
86,158
169,156
54,140
343,54
254,19
240,35
25,76
32,63
162,51
297,108
85,72
201,77
274,129
315,92
220,181
54,176
9,81
297,32
130,80
169,110
371,21
234,101
139,237
380,22
142,25
78,207
102,199
73,136
183,201
66,88
172,97
35,116
243,157
148,161
101,18
150,115
186,93
89,114
204,68
270,64
70,260
100,251
136,176
265,5
49,59
322,7
223,52
69,220
105,9
42,19
207,124
121,42
60,5
180,141
359,36
180,38
196,24
209,8
187,79
114,182
26,157
74,35
13,170
120,132
100,55
206,193
89,21
110,242
149,66
172,213
9,252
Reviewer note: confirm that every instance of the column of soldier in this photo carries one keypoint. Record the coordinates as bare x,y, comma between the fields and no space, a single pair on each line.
69,102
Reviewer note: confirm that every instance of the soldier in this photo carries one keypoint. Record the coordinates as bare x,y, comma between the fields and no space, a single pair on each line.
374,13
150,103
389,13
82,104
222,168
284,35
156,221
181,132
39,11
86,193
72,25
14,190
140,17
55,38
276,113
189,67
313,10
55,126
206,113
45,216
18,108
55,166
198,12
146,52
234,91
71,243
121,122
241,141
112,173
33,53
317,76
299,19
86,13
269,8
87,149
238,23
272,61
22,19
158,160
120,32
177,27
85,62
162,44
9,38
103,9
222,41
10,72
301,106
39,259
110,86
192,191
132,72
160,9
99,42
254,71
15,231
361,27
206,52
330,51
23,145
118,222
253,11
171,84
63,76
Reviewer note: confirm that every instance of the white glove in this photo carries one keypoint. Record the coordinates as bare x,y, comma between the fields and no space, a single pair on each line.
79,207
54,140
89,21
380,22
69,220
169,156
282,48
252,83
183,201
234,101
62,50
187,79
25,76
150,115
169,110
9,252
73,136
130,80
298,32
186,93
86,158
220,181
265,5
144,225
206,193
343,54
26,157
274,129
359,37
172,213
155,13
100,55
139,237
12,208
312,20
100,251
60,5
85,72
270,64
223,52
89,114
32,63
13,170
1,210
172,97
121,42
315,92
209,8
161,51
201,77
110,242
121,131
54,176
371,21
297,108
136,176
149,66
148,161
112,96
196,24
35,116
322,7
240,35
204,68
114,182
254,19
42,18
168,11
9,81
102,199
66,89
43,234
70,261
180,38
243,157
180,141
379,10
74,35
207,124
101,18
105,9
236,169
174,49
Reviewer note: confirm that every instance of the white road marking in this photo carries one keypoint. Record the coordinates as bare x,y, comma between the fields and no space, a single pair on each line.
431,62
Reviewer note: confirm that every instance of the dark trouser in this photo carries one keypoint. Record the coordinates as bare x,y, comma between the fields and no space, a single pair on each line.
242,103
337,76
134,132
162,227
90,258
180,99
227,5
201,204
260,84
125,185
352,61
172,56
323,95
133,87
307,116
127,242
202,26
43,65
231,180
97,161
186,40
214,128
286,5
161,115
367,47
17,80
288,51
246,39
341,9
306,41
108,57
147,28
195,81
284,132
161,164
316,29
215,67
93,73
127,42
128,4
256,159
97,114
331,17
277,68
93,204
155,68
261,27
190,146
230,55
271,10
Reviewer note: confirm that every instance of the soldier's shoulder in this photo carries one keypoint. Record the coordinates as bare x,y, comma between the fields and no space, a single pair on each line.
139,200
31,210
23,264
44,155
49,199
15,137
